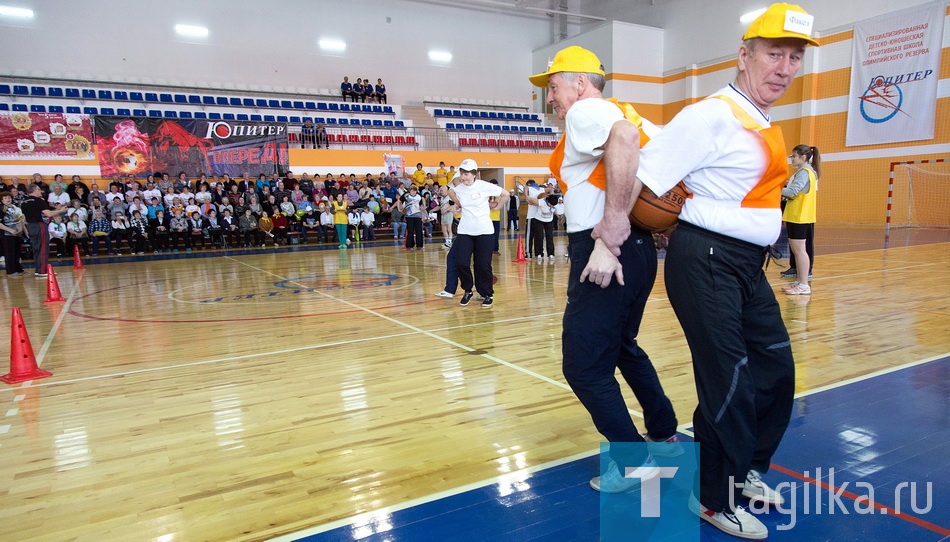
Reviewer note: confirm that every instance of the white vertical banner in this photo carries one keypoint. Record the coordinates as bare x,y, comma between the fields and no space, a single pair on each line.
894,71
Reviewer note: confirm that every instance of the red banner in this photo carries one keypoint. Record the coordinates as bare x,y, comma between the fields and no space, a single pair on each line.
45,136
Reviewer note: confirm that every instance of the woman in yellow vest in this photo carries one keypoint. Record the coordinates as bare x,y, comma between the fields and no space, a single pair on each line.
340,219
800,212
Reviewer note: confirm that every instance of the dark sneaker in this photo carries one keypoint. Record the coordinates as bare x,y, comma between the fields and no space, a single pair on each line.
466,298
789,273
487,302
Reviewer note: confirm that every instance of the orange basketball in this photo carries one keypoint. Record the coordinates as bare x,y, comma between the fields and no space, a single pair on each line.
656,214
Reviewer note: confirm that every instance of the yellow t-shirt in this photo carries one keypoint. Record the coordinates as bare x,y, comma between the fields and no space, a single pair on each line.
419,178
442,176
339,213
449,176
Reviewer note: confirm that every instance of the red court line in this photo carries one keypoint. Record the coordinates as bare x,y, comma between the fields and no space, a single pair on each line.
885,510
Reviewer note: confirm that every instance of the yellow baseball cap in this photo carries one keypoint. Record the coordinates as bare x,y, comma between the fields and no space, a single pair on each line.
783,21
572,59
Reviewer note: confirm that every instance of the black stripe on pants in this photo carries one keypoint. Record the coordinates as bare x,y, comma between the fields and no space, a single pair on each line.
742,358
481,246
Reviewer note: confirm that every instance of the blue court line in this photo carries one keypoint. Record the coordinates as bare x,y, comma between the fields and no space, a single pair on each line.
888,430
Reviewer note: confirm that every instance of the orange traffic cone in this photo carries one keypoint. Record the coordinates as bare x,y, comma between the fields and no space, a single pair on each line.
77,261
53,294
22,361
520,258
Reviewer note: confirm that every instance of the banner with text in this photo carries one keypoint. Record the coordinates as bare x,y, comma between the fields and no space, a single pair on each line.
145,145
894,71
44,136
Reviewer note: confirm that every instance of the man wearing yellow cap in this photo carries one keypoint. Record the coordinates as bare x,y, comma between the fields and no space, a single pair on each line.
732,159
613,266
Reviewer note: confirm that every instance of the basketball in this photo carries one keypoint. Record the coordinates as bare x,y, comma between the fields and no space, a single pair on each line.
656,214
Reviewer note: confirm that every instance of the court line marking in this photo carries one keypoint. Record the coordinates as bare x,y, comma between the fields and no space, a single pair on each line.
262,354
59,321
870,375
367,517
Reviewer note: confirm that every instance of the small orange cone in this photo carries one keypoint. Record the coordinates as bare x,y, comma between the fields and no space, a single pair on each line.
53,294
22,361
77,261
520,258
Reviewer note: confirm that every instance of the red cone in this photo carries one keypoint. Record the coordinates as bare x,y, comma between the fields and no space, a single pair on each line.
520,258
22,361
77,261
53,294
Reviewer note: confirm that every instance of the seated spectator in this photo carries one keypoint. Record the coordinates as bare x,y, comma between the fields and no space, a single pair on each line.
281,228
77,207
118,205
353,217
380,91
369,95
178,230
251,230
215,231
137,205
308,135
191,207
158,225
58,198
100,229
346,89
231,227
121,230
57,234
75,185
358,95
326,221
196,226
139,232
368,220
224,205
323,140
266,225
77,234
132,191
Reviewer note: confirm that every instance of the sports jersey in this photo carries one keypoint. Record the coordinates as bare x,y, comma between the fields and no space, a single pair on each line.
474,202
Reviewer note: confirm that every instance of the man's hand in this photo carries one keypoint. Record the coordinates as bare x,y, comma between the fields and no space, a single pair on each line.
602,266
612,231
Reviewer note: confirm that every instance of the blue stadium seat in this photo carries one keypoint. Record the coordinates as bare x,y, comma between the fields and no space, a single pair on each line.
286,104
56,109
532,129
166,98
248,102
151,97
85,110
104,94
548,130
55,92
388,109
87,93
181,99
331,120
155,113
257,118
200,115
282,118
506,128
522,128
134,96
269,118
4,107
184,114
519,116
388,123
535,117
207,100
120,95
5,89
366,122
73,109
437,113
298,105
334,106
322,106
469,127
72,93
221,100
509,116
19,107
343,122
492,115
139,113
377,123
235,101
456,113
194,99
310,105
171,114
123,112
21,90
273,103
243,116
309,119
260,102
479,127
377,109
37,108
496,127
214,116
294,120
228,116
344,107
400,124
449,125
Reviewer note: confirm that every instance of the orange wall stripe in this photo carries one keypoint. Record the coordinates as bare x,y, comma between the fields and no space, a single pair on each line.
635,78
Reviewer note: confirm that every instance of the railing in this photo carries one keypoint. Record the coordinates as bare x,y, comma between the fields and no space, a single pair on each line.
435,139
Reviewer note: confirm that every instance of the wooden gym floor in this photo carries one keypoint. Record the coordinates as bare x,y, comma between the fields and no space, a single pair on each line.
257,393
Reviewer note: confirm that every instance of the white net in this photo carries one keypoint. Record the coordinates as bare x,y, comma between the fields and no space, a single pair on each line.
921,196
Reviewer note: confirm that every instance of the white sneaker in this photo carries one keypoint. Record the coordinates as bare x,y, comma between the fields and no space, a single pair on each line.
445,294
757,490
540,258
670,447
551,257
614,482
740,523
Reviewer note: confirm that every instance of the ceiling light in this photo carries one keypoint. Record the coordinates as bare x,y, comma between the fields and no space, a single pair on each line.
191,31
16,12
332,45
751,16
440,56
